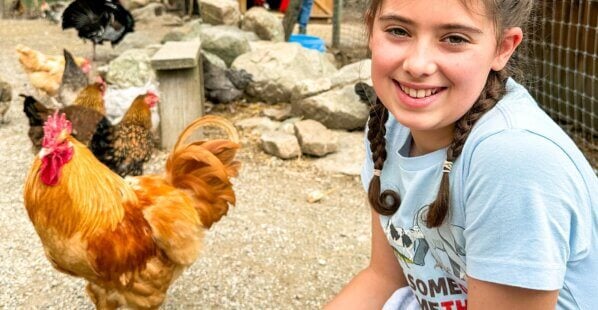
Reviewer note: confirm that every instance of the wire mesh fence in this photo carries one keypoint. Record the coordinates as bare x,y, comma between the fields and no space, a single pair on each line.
564,54
563,62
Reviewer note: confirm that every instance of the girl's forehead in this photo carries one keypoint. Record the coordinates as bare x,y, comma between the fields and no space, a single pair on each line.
463,7
431,12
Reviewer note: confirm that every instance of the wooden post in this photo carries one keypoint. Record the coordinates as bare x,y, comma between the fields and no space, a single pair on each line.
179,70
2,9
243,6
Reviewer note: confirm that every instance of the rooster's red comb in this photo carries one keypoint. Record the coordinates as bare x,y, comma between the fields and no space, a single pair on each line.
54,126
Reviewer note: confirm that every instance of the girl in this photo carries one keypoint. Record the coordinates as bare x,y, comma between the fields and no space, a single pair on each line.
479,199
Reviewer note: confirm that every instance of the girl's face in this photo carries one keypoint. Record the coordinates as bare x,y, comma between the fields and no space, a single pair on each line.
430,60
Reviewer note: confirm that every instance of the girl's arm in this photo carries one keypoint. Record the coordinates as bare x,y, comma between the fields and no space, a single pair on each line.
372,287
487,295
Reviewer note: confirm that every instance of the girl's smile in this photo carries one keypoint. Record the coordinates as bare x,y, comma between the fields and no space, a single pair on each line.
417,96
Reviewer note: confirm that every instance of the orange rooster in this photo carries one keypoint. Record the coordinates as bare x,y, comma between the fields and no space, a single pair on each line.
129,238
45,71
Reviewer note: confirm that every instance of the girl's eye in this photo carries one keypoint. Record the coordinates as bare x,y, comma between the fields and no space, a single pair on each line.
399,32
455,39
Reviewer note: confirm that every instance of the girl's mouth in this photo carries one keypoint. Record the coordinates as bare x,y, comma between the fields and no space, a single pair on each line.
419,93
418,98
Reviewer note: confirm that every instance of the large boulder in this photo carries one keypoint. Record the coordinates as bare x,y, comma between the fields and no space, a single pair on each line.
335,109
352,73
265,24
279,67
131,68
220,12
226,42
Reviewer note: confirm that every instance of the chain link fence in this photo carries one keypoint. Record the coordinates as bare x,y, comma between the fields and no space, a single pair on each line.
563,62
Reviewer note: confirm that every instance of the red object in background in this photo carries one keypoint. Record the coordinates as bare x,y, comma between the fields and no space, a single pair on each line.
283,6
259,2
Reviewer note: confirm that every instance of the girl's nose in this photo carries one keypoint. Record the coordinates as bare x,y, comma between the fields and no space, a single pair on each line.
420,62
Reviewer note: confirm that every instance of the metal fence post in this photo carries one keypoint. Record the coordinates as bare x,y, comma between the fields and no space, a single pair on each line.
336,23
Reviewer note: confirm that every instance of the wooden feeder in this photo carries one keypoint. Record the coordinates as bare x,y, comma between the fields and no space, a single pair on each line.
179,70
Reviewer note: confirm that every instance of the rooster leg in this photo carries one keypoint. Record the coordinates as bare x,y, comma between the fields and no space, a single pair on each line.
93,54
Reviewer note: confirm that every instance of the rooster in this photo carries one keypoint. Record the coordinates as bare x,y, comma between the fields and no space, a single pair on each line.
129,238
85,114
45,71
126,146
98,21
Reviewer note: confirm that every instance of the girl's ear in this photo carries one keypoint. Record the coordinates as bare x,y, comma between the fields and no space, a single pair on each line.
510,40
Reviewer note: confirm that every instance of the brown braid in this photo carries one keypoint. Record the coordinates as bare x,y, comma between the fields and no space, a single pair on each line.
491,94
388,202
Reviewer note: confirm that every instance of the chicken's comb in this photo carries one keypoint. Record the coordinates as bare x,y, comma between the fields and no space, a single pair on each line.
54,126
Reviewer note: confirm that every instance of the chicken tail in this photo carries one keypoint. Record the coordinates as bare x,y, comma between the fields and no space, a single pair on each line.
205,167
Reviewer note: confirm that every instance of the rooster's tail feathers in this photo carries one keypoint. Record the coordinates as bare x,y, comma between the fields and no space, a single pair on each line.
205,168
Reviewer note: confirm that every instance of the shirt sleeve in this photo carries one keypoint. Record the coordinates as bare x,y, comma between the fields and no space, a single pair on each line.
527,214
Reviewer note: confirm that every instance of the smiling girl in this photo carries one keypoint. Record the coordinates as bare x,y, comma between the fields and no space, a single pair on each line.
479,199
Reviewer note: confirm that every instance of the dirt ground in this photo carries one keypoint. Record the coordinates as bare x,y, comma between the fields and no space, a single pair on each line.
273,250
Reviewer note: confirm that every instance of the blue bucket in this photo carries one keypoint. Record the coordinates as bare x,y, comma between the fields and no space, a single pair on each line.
308,41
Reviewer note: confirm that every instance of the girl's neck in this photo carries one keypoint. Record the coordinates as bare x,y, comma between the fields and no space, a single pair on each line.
424,142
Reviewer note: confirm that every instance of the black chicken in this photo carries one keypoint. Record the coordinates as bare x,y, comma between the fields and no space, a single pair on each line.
98,21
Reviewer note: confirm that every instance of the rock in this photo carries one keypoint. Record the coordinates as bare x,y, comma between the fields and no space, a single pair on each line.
225,41
149,12
349,157
278,114
173,35
281,145
132,68
278,68
213,59
352,73
315,139
336,109
262,124
220,12
266,25
131,41
308,88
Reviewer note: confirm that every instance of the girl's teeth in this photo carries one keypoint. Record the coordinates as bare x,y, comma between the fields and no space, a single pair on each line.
419,93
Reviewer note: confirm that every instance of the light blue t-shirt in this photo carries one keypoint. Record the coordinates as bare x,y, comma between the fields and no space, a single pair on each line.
524,209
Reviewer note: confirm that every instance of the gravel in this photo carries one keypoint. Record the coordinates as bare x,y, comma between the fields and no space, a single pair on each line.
273,250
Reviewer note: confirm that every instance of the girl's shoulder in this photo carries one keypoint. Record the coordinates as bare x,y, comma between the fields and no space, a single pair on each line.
517,140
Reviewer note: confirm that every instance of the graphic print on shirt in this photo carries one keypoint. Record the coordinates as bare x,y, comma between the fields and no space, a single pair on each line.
445,243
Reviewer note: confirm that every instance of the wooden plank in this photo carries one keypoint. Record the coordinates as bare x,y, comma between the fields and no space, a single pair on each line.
322,9
325,7
176,55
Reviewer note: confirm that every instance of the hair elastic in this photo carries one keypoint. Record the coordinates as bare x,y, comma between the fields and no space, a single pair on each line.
377,172
448,165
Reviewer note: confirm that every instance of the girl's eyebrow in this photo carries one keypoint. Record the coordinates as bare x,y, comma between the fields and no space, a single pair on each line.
450,26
